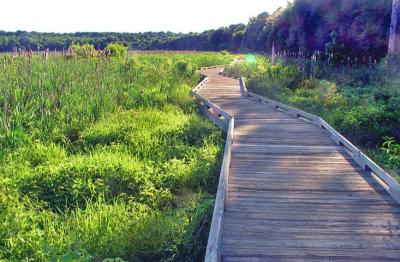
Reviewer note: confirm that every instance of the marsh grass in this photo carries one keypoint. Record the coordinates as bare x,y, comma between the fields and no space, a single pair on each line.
105,159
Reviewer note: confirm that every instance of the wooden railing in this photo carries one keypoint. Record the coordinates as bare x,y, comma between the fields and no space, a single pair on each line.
226,122
389,183
209,109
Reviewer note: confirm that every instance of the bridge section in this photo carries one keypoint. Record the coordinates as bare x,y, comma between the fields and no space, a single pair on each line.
291,191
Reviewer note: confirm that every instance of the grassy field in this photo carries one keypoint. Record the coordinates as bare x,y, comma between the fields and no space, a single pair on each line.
105,158
356,100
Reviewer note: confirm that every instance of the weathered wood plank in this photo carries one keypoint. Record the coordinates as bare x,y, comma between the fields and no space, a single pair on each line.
311,224
249,204
295,216
285,149
266,233
288,164
303,178
366,243
305,194
317,188
309,253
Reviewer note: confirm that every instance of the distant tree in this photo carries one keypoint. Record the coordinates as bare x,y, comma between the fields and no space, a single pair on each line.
237,39
337,51
253,37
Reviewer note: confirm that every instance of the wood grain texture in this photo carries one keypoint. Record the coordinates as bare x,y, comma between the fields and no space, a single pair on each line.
294,192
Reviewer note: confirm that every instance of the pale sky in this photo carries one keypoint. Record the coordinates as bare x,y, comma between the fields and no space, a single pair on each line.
128,16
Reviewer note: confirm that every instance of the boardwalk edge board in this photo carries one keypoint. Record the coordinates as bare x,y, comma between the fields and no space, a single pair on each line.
390,184
226,122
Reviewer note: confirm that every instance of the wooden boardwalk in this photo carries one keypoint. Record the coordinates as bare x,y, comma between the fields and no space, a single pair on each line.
293,193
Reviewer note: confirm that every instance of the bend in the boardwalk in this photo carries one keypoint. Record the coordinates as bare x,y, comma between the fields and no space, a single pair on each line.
293,193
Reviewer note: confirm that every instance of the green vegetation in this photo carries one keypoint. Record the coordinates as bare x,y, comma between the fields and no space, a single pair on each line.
392,151
360,28
116,50
364,111
41,41
103,154
105,158
83,51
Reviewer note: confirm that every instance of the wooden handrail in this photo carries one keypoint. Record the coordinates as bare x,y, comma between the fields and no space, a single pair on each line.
392,186
213,251
211,111
211,67
226,122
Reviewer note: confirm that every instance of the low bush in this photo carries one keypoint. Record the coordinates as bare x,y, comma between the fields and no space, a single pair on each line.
116,50
84,51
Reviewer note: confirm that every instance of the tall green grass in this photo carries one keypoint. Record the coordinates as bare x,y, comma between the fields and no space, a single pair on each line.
105,158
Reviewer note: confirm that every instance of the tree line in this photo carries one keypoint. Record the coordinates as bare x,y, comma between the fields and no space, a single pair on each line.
40,41
350,28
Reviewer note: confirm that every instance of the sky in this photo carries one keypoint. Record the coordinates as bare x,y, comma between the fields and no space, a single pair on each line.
129,16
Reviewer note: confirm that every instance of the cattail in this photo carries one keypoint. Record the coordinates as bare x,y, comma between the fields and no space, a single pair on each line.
21,52
5,105
46,54
30,55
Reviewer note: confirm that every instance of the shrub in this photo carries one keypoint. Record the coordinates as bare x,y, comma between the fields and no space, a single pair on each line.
84,51
116,50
